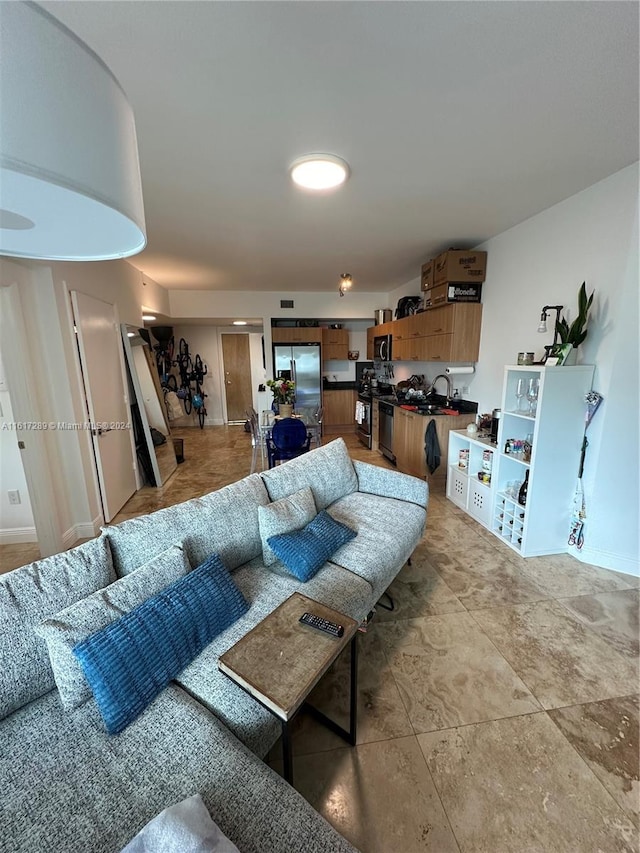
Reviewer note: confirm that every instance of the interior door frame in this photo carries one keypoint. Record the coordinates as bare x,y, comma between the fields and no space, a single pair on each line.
20,373
223,382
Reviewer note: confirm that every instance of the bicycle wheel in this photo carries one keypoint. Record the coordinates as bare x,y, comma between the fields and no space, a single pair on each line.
171,383
188,404
202,413
183,349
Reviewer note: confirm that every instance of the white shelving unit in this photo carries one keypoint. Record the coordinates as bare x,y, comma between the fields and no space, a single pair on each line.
464,488
557,427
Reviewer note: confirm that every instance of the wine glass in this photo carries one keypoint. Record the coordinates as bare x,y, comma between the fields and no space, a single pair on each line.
521,390
532,395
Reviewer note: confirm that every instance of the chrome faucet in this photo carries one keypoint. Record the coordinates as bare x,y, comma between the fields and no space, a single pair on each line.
432,387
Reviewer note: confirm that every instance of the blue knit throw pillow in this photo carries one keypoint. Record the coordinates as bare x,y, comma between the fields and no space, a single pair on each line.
304,551
131,661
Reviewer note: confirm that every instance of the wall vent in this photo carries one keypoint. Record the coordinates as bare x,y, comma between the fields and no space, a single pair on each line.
286,303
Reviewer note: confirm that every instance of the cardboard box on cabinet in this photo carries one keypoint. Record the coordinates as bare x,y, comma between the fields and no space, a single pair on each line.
426,279
457,265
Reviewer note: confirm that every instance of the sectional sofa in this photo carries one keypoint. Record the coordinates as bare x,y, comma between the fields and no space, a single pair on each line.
69,786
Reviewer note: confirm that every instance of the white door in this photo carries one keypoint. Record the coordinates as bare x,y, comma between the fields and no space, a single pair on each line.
103,376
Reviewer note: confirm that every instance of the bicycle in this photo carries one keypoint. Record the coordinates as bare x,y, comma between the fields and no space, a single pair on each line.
200,370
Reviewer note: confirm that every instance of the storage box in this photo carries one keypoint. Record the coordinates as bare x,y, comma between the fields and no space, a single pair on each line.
178,446
426,279
457,265
442,294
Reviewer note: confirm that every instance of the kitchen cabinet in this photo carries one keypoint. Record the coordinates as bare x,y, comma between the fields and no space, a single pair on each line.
335,344
409,431
542,525
449,333
339,411
296,335
371,333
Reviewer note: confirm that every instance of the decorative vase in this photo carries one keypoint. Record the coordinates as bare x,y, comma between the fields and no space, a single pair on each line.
285,410
572,356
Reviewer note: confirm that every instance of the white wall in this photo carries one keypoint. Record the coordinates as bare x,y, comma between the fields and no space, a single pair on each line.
592,237
16,521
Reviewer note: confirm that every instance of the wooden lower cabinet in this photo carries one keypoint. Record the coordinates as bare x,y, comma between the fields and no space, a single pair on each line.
339,411
409,441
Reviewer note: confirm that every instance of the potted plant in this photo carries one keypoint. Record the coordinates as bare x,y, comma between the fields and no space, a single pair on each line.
284,392
575,333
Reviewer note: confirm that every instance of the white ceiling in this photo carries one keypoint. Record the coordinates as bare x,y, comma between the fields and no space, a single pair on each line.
458,119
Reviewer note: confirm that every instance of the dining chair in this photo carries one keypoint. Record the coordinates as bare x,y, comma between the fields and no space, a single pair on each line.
319,414
257,442
289,438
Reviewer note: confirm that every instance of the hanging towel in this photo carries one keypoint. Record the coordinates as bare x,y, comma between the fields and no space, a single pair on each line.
432,447
360,412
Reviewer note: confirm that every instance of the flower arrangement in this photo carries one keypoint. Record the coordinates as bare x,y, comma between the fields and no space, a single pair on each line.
283,390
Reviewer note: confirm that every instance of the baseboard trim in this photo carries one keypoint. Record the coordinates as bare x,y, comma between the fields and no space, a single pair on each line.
607,560
18,535
82,530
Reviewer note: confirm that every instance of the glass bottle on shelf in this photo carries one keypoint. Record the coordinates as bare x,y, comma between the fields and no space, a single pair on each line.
524,488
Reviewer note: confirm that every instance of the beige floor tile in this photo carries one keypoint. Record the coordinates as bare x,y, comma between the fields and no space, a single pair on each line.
419,590
379,795
449,673
576,578
517,785
484,578
613,616
606,736
561,660
13,556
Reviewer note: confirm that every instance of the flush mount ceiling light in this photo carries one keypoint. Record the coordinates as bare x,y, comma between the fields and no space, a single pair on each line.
69,173
346,281
148,318
239,322
319,171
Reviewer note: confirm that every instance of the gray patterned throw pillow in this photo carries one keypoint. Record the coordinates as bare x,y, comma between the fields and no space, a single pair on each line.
74,624
285,516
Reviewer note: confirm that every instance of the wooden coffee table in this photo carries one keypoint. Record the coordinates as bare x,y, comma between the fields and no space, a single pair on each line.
280,661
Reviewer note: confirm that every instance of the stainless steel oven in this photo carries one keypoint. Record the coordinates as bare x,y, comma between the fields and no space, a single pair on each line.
363,419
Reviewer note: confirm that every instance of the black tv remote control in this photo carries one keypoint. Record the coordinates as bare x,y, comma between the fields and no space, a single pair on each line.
321,624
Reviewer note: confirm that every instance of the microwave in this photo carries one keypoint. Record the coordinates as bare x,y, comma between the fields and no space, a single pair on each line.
382,348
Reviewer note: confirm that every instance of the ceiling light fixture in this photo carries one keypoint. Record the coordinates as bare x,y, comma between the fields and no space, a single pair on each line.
149,318
319,171
346,281
69,169
239,322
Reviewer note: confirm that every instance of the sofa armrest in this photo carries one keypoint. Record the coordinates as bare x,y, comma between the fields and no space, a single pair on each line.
391,484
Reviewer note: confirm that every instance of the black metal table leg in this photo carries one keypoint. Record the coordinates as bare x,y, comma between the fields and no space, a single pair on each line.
286,752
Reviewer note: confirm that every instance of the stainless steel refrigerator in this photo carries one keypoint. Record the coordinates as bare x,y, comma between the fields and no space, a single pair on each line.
300,362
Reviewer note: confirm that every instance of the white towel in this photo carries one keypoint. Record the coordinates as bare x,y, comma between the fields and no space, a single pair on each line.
360,411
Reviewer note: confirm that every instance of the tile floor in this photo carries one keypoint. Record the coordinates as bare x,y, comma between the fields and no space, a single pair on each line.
498,702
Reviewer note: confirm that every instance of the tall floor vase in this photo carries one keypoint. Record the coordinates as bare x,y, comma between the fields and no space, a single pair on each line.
285,410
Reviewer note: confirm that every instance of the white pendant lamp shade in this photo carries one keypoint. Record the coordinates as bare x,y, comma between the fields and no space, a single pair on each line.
69,173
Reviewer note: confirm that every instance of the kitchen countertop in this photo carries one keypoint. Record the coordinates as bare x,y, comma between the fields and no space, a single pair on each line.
462,407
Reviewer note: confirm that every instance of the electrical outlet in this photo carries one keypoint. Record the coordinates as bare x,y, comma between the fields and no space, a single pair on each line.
464,390
14,497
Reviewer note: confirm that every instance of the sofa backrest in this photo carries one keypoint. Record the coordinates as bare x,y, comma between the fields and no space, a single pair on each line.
328,470
29,595
223,522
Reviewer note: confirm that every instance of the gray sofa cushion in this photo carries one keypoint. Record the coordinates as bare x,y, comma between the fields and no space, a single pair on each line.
70,787
388,531
265,590
202,525
283,516
328,470
32,593
391,484
74,624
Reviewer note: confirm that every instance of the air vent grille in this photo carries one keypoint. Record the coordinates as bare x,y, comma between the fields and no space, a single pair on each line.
286,303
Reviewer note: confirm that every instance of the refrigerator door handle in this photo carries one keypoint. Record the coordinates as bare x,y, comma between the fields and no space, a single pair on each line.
293,373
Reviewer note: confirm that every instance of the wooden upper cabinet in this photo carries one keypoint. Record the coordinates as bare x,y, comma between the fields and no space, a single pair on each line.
371,333
335,344
296,335
449,333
